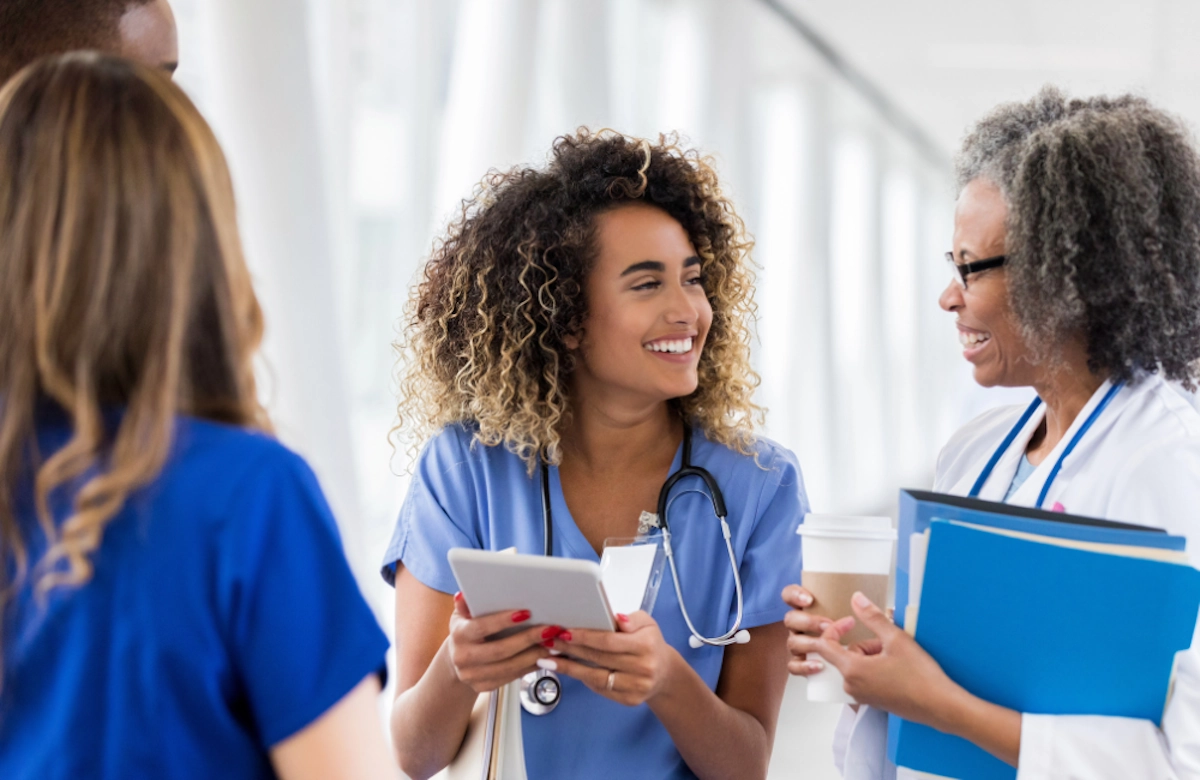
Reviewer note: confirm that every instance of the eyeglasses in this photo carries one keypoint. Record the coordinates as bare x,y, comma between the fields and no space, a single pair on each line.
960,271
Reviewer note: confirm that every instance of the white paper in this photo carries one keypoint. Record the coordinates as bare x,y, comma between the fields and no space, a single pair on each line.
625,572
918,550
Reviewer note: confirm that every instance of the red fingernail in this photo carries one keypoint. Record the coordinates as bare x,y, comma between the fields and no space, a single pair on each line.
622,618
520,616
458,596
549,632
548,643
565,636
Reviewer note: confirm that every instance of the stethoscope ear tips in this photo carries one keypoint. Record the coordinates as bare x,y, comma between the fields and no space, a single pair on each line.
740,638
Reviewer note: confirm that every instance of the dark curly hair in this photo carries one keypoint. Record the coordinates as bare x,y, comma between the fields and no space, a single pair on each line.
486,328
1103,234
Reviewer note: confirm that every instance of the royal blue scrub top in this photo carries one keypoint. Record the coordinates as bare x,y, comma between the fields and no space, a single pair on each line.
221,619
465,495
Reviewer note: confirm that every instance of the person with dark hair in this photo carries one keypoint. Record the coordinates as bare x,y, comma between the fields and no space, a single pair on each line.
140,30
581,333
174,597
1075,271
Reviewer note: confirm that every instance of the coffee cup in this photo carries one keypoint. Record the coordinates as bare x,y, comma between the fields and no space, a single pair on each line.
842,554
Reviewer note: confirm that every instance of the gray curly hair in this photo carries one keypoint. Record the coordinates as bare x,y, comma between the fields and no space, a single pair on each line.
1103,234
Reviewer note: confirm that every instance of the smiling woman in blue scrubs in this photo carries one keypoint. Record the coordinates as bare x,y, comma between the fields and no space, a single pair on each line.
577,320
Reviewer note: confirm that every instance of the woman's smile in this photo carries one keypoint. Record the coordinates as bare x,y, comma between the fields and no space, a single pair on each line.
974,341
680,349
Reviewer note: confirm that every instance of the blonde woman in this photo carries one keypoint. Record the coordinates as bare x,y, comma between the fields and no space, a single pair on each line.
582,333
176,603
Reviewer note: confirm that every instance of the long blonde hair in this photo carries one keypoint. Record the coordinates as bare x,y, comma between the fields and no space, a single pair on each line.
122,286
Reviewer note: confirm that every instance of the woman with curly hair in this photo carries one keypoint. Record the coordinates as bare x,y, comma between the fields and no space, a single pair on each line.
174,601
1076,271
579,329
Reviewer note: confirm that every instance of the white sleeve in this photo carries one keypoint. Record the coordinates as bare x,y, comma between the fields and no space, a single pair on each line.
860,745
1162,488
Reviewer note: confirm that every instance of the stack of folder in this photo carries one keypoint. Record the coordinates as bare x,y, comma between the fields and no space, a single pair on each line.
1024,608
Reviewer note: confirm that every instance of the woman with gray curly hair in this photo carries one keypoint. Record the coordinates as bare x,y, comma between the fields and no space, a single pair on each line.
1076,271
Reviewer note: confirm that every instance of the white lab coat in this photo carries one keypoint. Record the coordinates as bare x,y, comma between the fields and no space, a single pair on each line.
1139,463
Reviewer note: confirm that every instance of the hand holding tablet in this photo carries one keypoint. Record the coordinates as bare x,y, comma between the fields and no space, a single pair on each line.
556,591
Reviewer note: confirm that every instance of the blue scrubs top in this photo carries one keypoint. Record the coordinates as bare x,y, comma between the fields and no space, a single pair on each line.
221,619
465,495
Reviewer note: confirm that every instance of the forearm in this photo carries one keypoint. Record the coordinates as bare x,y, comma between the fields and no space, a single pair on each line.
430,719
994,728
715,739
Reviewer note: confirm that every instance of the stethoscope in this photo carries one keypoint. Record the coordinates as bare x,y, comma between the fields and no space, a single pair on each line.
1016,430
542,691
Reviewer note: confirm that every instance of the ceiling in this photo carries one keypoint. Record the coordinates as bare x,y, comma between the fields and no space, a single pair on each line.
946,62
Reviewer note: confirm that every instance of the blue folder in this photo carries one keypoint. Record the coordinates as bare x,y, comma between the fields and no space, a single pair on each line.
918,508
1004,617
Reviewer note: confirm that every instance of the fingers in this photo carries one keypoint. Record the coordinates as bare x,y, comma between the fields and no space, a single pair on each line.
489,677
460,606
634,663
829,645
480,628
500,649
593,677
873,646
628,689
797,597
627,624
606,641
800,645
872,616
799,621
803,667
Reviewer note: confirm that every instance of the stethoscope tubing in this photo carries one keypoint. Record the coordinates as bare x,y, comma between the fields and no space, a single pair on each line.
718,501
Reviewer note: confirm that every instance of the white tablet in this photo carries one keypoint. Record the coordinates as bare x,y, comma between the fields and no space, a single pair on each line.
557,591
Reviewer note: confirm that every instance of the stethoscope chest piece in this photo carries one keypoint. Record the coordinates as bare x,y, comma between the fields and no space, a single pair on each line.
540,692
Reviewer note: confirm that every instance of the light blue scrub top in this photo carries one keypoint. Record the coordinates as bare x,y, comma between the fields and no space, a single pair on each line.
483,498
1024,469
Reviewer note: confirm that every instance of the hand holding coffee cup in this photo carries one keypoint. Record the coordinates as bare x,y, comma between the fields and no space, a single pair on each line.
842,555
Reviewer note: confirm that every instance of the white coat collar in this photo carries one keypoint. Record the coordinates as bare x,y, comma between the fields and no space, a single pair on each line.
1002,475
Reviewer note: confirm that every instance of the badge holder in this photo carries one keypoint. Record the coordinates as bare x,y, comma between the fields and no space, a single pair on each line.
631,570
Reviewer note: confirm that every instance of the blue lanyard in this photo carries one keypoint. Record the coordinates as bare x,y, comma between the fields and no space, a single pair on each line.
1008,440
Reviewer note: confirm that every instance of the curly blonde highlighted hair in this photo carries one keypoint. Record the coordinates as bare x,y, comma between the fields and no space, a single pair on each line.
503,290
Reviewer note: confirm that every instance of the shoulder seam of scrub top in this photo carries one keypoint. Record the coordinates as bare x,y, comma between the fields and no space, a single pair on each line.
465,454
465,459
766,480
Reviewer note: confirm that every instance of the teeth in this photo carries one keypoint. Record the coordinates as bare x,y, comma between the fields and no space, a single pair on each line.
971,339
674,347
